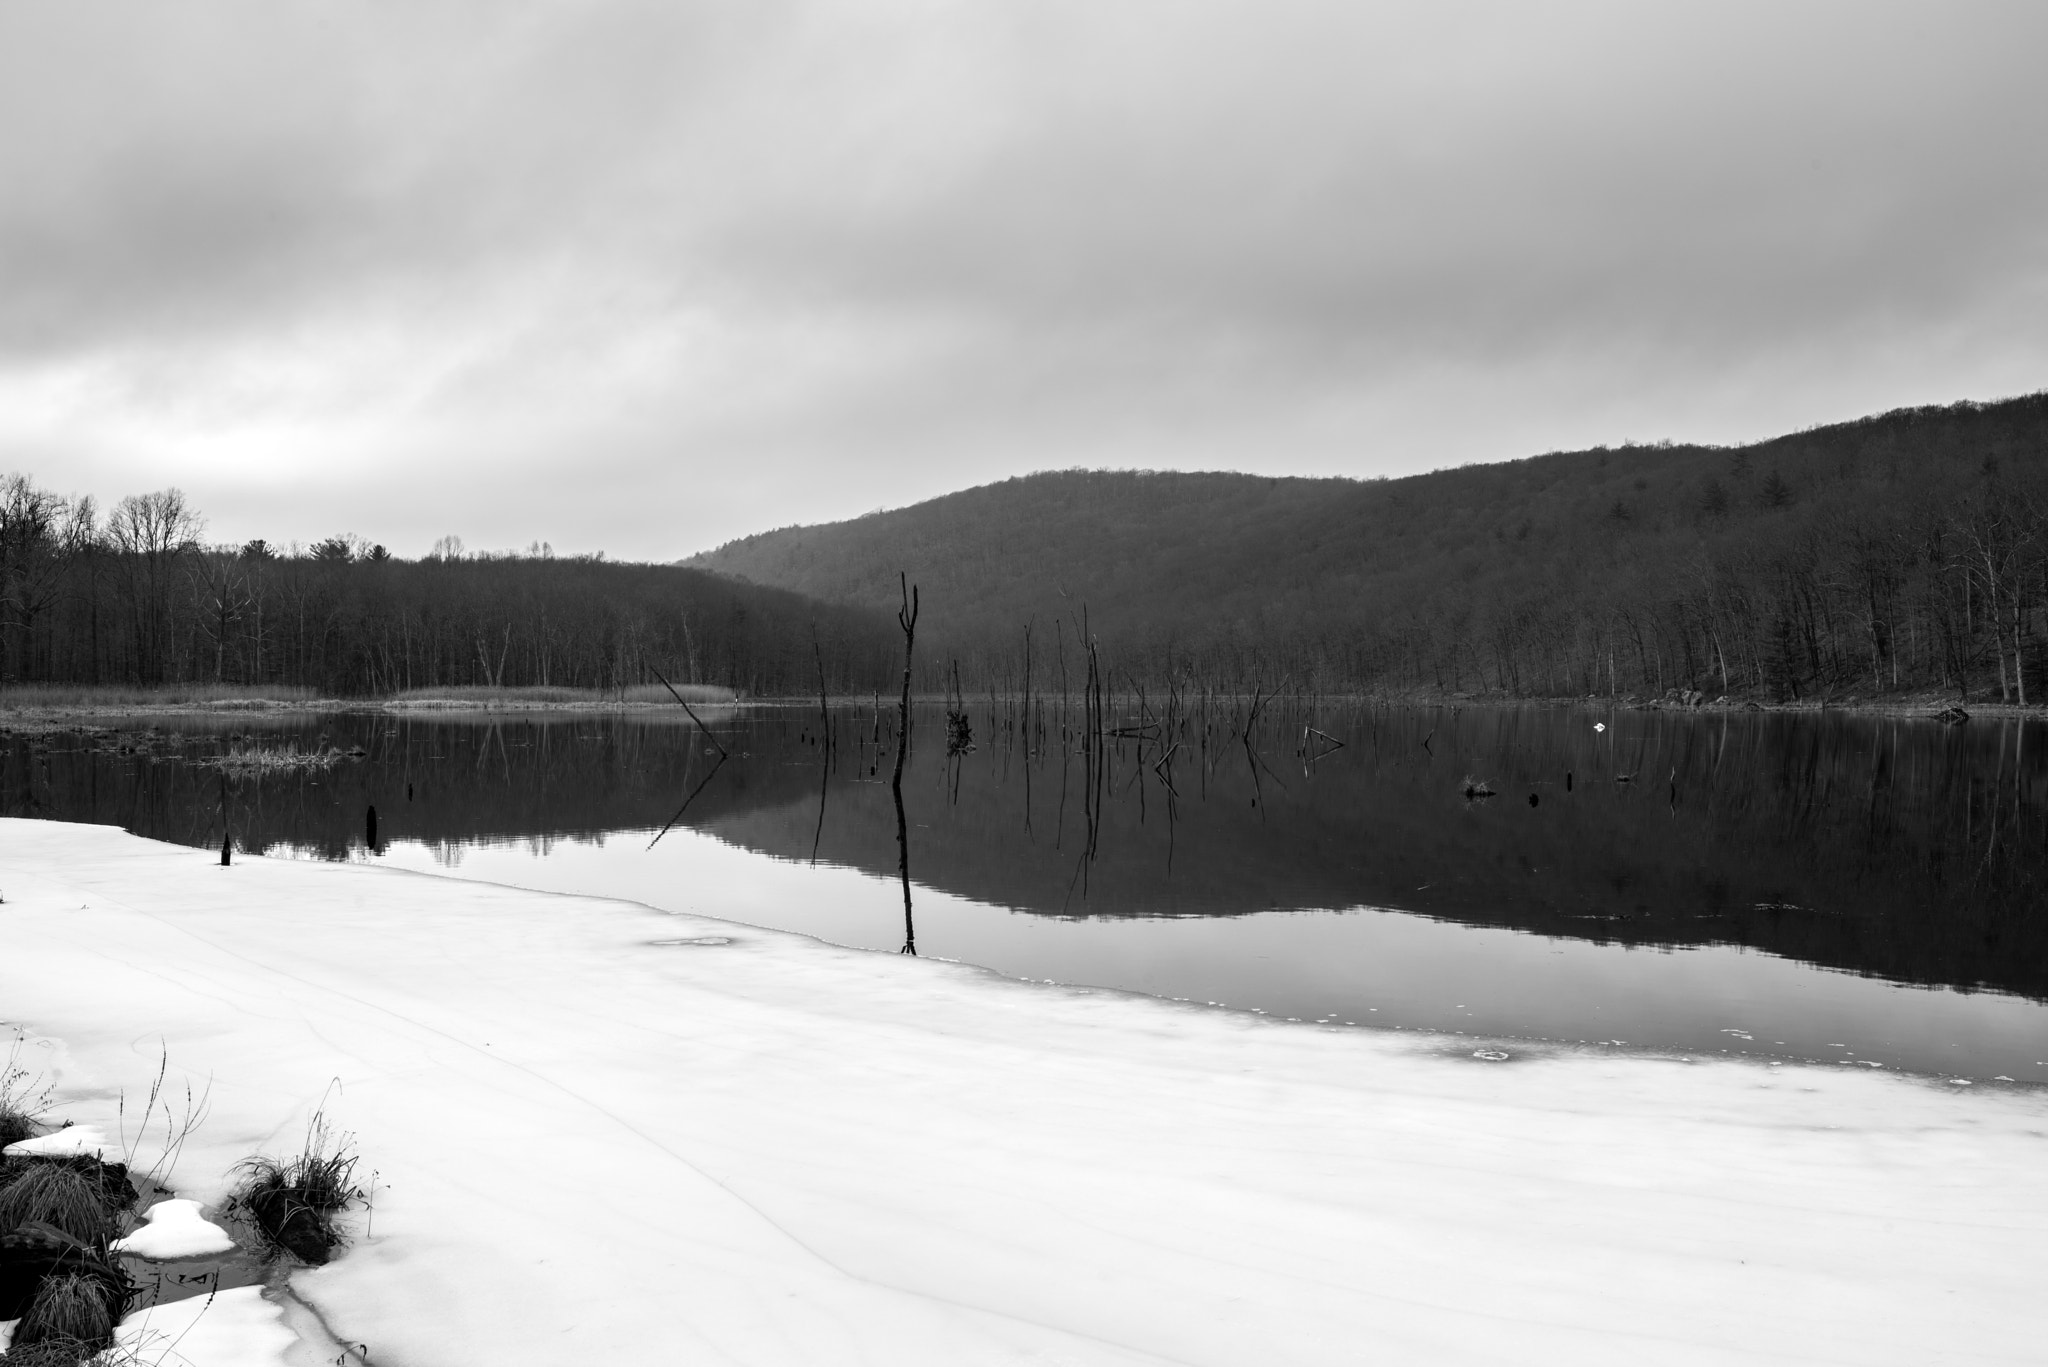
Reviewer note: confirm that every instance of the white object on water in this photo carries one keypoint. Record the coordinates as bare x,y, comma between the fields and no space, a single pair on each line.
176,1229
68,1142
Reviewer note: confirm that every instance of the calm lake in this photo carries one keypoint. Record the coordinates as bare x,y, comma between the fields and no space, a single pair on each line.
1863,891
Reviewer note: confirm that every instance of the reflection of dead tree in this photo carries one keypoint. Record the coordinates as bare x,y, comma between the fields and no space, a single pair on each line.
1095,763
707,777
1163,766
825,743
1027,718
824,712
906,617
959,731
1317,744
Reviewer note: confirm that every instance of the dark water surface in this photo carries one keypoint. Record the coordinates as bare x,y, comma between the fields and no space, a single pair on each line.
1867,891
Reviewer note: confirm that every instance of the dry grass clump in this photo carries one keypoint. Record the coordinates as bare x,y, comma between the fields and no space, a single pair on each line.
249,759
22,1100
60,1196
484,695
296,1203
52,1352
71,1313
16,1125
696,693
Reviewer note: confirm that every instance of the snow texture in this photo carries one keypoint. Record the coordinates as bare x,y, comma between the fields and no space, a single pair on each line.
234,1328
588,1146
176,1229
68,1142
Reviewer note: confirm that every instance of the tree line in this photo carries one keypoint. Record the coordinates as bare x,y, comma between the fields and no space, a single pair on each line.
137,596
1904,553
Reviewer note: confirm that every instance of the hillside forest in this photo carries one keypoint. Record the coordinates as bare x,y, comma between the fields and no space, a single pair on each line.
1900,554
137,596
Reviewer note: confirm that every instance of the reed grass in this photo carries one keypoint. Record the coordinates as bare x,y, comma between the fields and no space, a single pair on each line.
23,1097
242,759
295,1203
70,1308
470,695
16,1125
57,1195
54,1352
695,693
28,695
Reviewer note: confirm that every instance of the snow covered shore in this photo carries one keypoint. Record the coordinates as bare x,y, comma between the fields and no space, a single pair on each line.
604,1133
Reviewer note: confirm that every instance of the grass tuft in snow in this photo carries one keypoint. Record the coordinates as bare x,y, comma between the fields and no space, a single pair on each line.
296,1203
58,1195
53,1352
70,1309
23,1099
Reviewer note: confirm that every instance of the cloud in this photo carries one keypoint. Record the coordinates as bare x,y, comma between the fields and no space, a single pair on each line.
650,275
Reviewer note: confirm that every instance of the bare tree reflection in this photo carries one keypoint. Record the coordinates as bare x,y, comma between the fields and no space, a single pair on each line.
906,617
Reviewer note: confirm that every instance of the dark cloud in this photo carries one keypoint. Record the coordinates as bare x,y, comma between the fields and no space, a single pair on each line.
650,275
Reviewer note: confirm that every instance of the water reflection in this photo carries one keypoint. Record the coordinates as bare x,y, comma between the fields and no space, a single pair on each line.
1894,851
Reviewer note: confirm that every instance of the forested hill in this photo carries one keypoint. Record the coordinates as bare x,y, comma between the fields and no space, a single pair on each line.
1898,552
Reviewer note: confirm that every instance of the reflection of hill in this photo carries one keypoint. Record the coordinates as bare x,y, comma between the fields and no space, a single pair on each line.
1875,847
1846,843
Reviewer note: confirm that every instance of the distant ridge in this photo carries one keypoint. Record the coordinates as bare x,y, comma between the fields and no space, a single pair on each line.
1824,561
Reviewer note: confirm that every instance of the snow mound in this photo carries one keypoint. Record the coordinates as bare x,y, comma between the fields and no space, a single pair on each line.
69,1142
235,1328
176,1229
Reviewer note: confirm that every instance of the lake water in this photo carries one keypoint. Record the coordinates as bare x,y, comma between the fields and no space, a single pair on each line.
1864,891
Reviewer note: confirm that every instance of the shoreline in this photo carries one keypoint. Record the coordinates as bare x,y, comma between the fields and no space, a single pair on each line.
48,717
737,1145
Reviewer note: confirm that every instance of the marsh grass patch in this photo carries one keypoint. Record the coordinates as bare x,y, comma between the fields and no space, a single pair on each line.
24,1096
53,1352
60,1196
71,695
250,759
16,1125
69,1308
296,1204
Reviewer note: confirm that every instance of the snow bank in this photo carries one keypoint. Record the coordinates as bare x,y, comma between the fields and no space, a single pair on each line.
175,1229
69,1142
236,1328
590,1146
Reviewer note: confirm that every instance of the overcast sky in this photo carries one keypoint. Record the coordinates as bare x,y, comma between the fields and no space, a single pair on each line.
645,277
